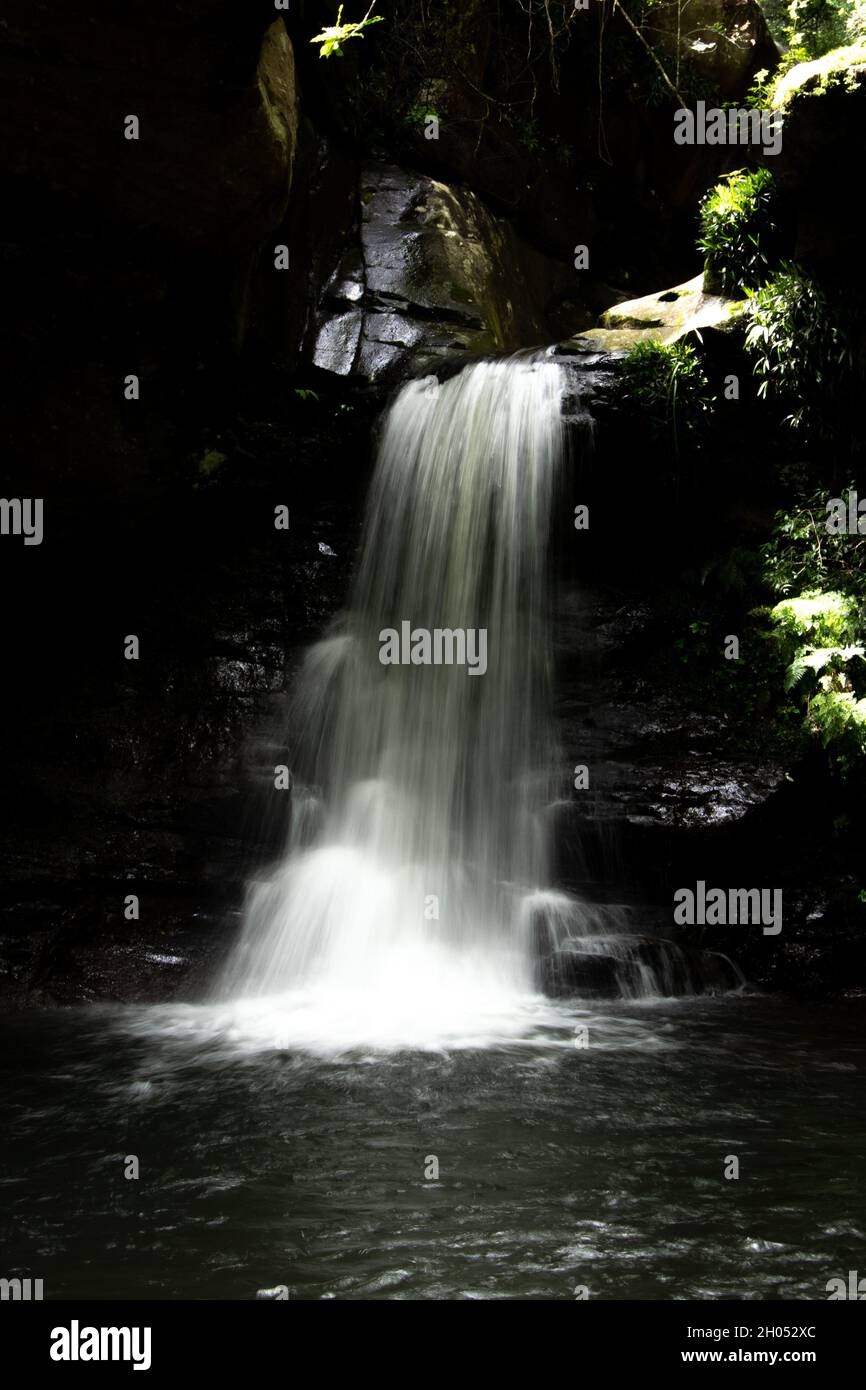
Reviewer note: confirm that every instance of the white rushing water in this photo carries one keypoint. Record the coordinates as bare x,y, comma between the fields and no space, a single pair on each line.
397,916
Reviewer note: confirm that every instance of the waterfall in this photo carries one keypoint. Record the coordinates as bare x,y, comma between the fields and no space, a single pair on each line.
414,906
416,832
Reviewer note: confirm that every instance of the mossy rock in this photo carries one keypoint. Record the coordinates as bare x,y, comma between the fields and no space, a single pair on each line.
667,314
824,128
842,71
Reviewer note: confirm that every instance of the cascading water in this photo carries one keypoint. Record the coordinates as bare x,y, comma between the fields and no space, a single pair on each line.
416,832
412,906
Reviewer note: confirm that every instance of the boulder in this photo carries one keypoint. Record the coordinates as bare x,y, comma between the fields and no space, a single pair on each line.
726,42
433,277
823,105
663,317
634,967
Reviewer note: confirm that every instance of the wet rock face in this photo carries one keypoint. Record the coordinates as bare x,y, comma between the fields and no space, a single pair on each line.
618,950
660,756
431,276
631,967
53,953
682,789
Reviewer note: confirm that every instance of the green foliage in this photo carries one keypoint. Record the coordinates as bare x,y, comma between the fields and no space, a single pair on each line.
735,572
738,231
840,718
819,629
816,660
807,671
855,23
806,30
304,394
418,114
817,633
816,26
838,70
669,384
697,646
802,354
528,132
760,95
332,39
775,12
820,617
802,555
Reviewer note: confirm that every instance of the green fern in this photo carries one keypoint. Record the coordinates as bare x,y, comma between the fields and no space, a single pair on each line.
816,659
837,713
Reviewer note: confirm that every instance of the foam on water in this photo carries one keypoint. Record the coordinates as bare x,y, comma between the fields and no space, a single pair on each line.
331,1023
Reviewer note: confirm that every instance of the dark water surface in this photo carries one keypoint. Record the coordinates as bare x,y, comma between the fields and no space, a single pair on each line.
558,1166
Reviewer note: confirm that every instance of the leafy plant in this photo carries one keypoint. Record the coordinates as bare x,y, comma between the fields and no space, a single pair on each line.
803,555
735,572
816,26
804,31
818,632
855,22
760,95
669,383
802,353
333,38
739,233
418,114
807,29
697,645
